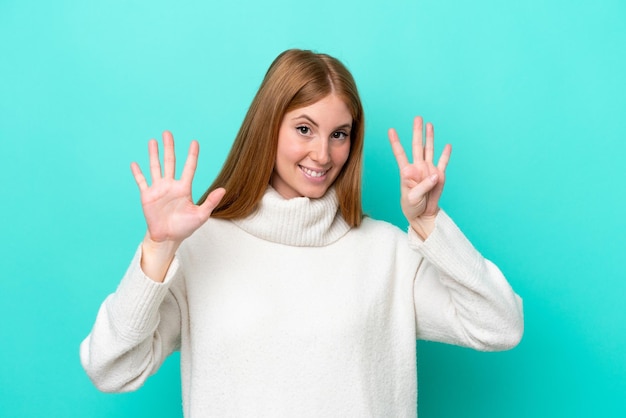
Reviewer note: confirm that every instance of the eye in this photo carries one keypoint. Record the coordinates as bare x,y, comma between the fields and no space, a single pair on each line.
339,135
304,130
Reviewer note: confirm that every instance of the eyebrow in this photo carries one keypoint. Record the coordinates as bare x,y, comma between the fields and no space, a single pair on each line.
307,117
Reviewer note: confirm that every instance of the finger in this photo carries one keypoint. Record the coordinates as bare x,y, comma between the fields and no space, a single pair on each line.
212,200
411,175
191,163
429,149
423,187
169,155
418,139
398,149
444,158
433,199
139,177
155,165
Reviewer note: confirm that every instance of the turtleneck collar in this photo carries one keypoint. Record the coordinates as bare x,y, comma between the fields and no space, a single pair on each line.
300,222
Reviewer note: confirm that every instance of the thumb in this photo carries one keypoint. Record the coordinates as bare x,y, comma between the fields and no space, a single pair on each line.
423,187
212,200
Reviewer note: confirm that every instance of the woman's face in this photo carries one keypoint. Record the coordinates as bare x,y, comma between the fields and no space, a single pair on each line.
313,146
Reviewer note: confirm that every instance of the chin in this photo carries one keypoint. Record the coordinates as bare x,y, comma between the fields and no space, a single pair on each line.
315,194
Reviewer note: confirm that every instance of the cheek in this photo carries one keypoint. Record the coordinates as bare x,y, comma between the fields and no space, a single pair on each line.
286,151
291,154
341,155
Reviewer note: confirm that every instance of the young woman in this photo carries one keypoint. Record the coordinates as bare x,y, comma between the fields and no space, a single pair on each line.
281,297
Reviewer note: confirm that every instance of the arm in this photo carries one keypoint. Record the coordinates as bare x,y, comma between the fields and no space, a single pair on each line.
136,328
460,297
139,325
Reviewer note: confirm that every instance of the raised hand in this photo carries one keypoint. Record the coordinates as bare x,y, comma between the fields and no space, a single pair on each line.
421,182
170,213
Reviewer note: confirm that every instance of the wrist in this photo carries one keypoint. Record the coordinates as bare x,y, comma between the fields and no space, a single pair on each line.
423,225
156,257
165,247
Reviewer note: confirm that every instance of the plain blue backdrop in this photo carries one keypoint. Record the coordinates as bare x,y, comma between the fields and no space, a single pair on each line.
532,95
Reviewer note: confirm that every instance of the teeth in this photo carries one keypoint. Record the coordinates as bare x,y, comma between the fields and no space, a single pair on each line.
313,173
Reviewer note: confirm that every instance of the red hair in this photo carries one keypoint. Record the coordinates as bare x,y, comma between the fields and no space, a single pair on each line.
295,79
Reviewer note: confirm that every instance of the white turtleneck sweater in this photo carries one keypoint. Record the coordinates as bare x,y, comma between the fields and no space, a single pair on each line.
291,313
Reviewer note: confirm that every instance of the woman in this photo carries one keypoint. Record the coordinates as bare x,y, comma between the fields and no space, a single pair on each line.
281,297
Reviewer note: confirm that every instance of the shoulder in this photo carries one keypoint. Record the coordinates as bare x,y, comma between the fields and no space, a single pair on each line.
379,233
213,232
370,226
377,241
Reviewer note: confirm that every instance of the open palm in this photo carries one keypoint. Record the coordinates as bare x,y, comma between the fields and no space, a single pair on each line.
168,207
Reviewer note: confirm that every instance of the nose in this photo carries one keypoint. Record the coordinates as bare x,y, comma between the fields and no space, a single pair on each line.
320,152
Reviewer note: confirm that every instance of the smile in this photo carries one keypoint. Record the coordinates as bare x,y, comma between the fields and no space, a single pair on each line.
313,173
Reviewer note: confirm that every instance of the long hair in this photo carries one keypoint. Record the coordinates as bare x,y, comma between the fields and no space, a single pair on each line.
295,79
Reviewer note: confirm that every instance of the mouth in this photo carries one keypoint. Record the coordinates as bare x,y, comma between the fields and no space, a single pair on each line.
313,173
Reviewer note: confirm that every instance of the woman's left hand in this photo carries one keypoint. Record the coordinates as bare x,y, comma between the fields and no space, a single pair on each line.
421,182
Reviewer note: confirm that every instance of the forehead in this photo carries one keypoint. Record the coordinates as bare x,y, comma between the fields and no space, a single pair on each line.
331,108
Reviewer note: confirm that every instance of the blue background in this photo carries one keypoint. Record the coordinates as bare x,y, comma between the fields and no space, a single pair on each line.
532,95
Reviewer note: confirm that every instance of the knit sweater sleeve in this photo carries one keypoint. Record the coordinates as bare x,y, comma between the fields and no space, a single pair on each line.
460,297
136,328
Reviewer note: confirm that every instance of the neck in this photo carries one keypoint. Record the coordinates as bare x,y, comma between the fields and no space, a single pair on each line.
299,221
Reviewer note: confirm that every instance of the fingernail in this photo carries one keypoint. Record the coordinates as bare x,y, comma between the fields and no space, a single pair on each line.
433,178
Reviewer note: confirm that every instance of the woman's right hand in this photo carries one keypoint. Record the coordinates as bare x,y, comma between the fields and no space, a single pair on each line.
168,207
